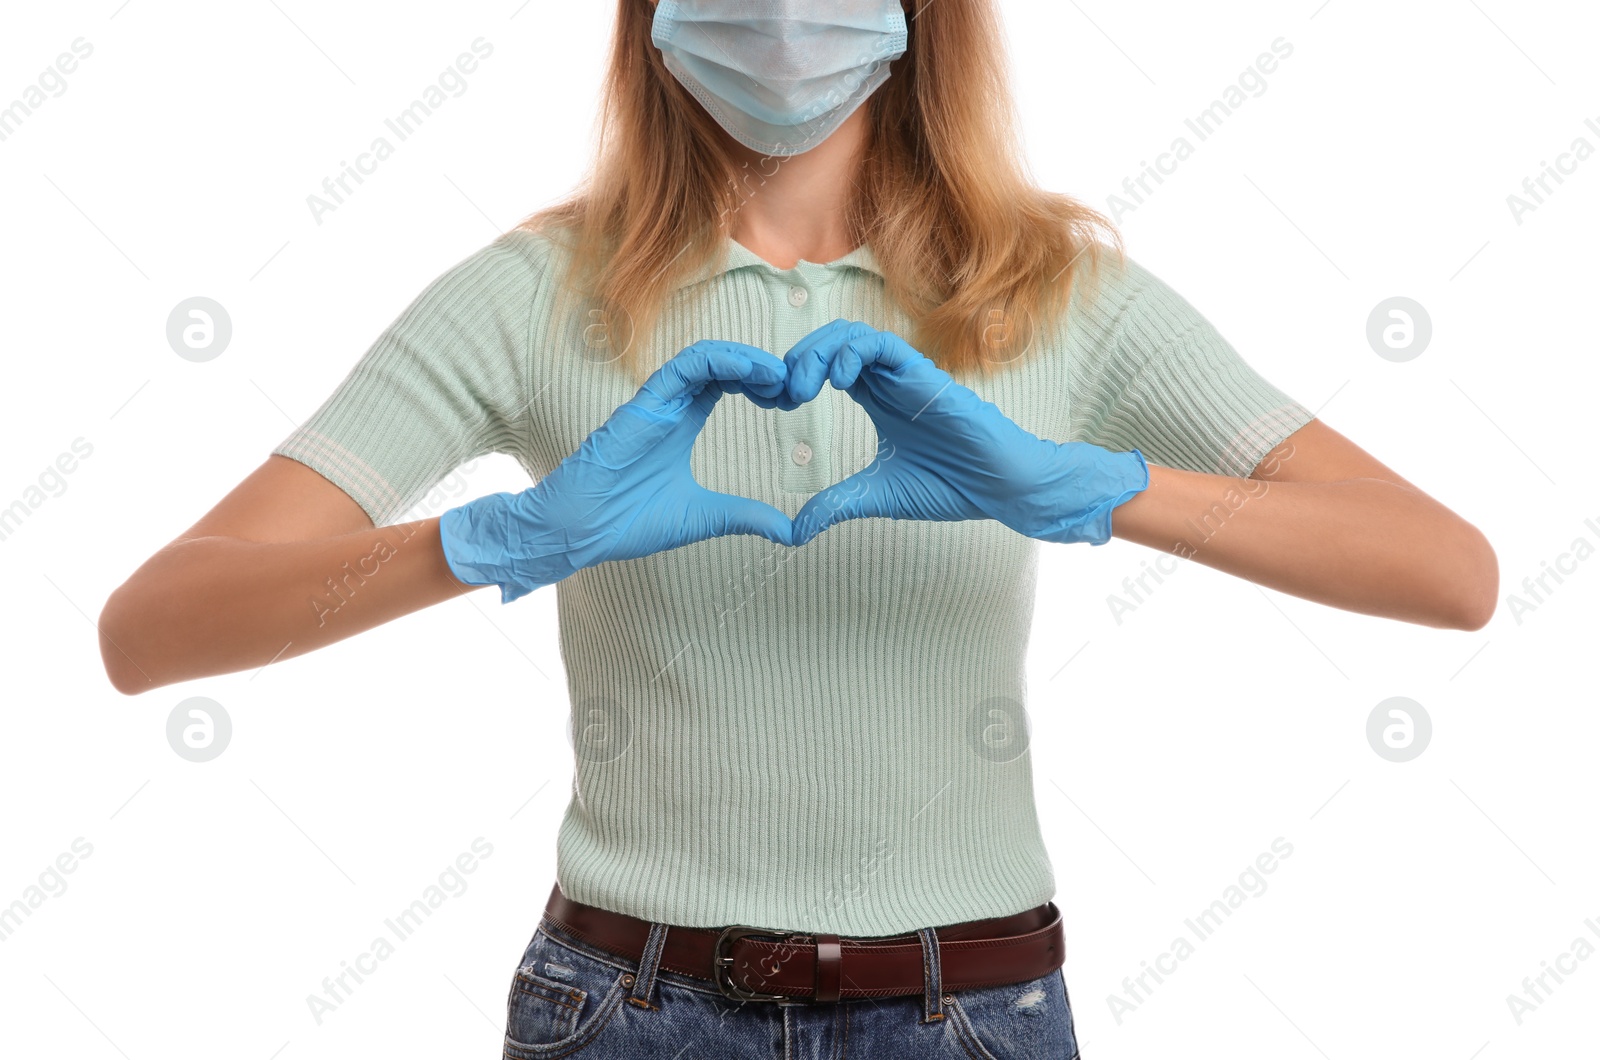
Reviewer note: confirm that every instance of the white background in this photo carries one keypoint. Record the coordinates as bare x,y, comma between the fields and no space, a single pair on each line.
1171,748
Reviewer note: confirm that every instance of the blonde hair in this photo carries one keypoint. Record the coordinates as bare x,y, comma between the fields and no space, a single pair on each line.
978,257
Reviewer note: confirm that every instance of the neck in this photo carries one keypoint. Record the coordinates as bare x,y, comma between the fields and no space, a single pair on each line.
793,208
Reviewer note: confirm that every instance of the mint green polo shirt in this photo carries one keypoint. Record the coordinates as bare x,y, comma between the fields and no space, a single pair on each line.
825,738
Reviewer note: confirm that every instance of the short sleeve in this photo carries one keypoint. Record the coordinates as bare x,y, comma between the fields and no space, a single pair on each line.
445,383
1165,382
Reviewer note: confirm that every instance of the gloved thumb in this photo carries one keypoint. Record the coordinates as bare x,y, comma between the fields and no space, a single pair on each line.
724,513
864,495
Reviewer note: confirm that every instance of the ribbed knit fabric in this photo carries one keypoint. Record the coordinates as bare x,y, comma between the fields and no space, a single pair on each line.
822,738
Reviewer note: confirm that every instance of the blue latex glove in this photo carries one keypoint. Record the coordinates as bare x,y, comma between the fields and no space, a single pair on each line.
946,454
627,491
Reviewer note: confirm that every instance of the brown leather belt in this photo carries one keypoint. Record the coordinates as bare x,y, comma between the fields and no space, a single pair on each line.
755,964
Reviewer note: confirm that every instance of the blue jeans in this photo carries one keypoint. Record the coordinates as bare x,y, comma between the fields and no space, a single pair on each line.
570,999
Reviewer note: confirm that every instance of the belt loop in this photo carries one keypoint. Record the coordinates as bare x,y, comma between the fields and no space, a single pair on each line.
829,967
645,981
932,985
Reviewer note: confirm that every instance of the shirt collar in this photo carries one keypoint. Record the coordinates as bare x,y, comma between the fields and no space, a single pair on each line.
737,256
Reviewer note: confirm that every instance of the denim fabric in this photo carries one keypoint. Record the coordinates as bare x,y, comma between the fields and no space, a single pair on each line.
569,999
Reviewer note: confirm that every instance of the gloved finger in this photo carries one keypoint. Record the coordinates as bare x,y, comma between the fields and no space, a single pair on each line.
781,401
761,390
883,349
808,360
768,395
719,514
866,494
882,369
687,373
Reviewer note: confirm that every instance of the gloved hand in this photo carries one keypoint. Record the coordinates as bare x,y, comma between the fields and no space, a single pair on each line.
946,454
627,491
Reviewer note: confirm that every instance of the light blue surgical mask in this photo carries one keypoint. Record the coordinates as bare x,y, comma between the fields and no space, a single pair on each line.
780,75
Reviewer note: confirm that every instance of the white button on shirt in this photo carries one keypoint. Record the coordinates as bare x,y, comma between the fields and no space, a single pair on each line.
798,296
801,454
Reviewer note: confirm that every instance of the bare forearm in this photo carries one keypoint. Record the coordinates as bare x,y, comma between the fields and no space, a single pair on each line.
214,605
1363,544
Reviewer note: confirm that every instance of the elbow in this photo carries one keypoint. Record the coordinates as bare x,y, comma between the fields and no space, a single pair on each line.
1476,588
125,675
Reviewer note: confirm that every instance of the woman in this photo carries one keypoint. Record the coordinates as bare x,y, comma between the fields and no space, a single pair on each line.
802,817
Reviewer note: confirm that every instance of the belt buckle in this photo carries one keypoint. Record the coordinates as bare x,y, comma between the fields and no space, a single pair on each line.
721,965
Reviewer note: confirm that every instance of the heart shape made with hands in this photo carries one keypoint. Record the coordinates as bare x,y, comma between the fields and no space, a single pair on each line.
944,453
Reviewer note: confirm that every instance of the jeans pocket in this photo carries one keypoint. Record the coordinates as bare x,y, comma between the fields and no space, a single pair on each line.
560,1000
1031,1019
